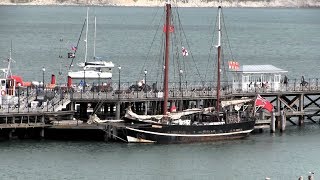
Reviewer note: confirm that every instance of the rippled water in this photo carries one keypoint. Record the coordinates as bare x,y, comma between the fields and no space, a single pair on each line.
286,38
280,156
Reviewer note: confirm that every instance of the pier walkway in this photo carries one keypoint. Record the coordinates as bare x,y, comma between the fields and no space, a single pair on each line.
298,101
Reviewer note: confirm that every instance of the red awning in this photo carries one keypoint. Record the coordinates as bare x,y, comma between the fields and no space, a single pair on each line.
18,79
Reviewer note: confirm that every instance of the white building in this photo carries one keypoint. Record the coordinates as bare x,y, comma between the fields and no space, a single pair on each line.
254,77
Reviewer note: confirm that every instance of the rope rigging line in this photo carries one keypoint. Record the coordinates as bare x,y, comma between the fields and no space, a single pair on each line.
84,23
227,37
188,45
151,45
211,49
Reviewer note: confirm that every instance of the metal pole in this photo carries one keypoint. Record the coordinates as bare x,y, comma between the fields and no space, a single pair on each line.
99,83
28,98
18,99
180,82
84,79
43,70
145,82
119,82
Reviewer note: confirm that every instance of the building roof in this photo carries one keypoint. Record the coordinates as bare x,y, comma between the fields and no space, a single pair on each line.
266,69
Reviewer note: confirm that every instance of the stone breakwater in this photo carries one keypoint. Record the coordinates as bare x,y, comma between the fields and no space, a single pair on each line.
181,3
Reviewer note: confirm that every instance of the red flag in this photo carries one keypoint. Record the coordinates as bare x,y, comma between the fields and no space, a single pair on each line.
263,103
171,28
73,48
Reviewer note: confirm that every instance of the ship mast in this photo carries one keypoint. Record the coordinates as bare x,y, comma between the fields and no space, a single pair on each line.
219,61
95,35
166,63
86,40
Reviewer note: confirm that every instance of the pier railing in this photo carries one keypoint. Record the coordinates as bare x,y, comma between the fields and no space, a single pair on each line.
187,89
35,99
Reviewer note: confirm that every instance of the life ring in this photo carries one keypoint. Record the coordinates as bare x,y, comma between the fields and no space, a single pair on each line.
3,93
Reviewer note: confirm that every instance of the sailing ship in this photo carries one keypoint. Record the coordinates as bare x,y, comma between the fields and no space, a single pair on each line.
95,69
227,120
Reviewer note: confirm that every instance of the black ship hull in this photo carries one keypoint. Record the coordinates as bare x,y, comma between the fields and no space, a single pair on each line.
165,134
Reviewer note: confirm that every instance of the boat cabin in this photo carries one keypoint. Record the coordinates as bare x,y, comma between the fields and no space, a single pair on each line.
254,77
7,87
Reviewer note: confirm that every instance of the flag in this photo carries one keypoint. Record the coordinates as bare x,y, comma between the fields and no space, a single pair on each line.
234,65
184,52
71,55
74,48
171,28
263,103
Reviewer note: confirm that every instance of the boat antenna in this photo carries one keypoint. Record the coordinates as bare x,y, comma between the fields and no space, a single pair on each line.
95,35
218,63
166,65
9,62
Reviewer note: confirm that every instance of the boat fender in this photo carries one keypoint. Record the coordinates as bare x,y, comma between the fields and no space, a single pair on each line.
3,93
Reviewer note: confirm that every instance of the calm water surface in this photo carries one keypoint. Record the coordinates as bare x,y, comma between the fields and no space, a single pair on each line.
286,38
285,156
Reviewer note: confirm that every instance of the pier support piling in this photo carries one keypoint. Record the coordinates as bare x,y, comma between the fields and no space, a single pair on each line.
42,133
146,107
10,134
118,110
283,121
273,123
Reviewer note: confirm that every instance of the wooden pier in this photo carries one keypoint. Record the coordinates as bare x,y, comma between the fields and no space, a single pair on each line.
293,103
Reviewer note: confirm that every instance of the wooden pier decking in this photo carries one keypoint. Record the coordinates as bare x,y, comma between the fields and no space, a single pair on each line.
292,102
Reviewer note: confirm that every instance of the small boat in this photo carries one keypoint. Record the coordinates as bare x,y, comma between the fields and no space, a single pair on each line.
232,119
95,69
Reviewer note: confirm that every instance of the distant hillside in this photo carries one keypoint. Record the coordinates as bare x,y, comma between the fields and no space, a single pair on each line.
181,3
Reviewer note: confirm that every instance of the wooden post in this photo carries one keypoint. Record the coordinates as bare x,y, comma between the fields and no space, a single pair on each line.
114,132
146,107
301,104
278,120
118,110
283,121
273,123
42,133
10,134
111,109
262,115
198,103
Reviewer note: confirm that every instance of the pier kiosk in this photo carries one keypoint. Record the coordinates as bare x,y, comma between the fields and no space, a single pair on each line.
250,78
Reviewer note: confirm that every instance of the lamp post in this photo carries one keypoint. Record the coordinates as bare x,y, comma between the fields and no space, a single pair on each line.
43,70
99,74
145,82
84,79
119,67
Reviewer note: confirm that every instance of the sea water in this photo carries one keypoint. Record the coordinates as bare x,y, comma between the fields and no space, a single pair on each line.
286,38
